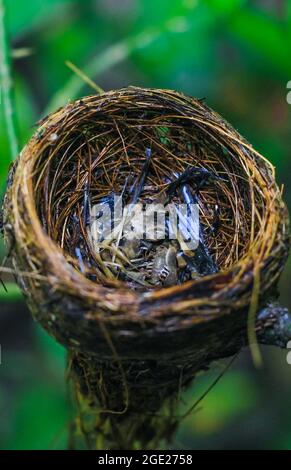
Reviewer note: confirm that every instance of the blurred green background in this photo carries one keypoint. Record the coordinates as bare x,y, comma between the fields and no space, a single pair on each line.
237,54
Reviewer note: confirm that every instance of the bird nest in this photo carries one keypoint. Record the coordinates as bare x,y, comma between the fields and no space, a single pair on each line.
125,299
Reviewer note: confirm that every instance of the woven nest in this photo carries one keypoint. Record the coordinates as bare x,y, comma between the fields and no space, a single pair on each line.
136,336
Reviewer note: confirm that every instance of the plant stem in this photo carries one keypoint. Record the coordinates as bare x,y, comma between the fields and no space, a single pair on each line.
113,55
6,85
274,326
110,57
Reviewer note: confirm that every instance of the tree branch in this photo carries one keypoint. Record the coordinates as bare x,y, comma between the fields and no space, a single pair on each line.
274,326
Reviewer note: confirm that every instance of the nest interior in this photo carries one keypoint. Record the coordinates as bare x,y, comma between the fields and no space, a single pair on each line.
105,154
103,301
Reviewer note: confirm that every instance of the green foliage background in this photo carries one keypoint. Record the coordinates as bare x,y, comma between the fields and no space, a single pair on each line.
237,54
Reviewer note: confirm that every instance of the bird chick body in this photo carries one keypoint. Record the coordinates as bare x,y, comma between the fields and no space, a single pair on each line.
165,268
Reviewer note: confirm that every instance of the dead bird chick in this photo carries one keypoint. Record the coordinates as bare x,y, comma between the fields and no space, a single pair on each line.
165,268
200,262
131,248
198,177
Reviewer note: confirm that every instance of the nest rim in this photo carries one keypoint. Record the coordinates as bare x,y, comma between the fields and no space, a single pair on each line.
263,258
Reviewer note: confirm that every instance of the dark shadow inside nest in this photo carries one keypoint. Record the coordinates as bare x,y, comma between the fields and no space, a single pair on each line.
145,159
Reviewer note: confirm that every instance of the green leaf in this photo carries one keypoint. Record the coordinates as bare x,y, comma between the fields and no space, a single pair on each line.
225,7
113,55
41,419
24,15
264,35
